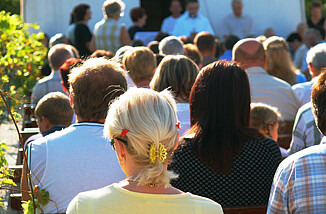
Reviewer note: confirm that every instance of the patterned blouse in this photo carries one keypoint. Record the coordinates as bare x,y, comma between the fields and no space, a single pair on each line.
248,183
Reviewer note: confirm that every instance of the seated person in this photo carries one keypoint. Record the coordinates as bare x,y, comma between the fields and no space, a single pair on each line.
193,53
53,113
138,17
169,22
222,157
140,63
65,71
141,125
230,41
171,45
177,73
207,46
78,158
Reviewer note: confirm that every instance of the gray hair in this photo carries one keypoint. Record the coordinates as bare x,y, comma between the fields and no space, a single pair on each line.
312,30
317,56
59,38
111,8
171,45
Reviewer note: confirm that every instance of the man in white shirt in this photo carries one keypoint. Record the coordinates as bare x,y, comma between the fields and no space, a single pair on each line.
265,88
169,22
316,60
237,23
191,22
79,158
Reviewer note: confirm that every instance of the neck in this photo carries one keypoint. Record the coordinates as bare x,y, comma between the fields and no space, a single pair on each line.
81,120
176,15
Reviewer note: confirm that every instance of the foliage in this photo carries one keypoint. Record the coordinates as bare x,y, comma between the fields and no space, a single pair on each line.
21,55
12,6
5,173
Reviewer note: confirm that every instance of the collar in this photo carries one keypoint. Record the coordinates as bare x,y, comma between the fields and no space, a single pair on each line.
256,69
88,124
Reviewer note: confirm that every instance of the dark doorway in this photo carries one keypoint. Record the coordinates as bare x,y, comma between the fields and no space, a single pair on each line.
156,11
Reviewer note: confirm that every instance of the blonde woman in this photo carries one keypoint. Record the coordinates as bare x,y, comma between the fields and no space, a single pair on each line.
279,63
178,73
143,127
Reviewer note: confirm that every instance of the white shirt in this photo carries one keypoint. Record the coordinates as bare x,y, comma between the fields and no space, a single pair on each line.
272,91
168,24
239,26
186,25
303,91
71,161
298,56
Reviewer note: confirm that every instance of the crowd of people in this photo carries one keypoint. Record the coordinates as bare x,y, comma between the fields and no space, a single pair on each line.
186,124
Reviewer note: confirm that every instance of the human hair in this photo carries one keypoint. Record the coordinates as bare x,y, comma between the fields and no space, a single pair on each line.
294,36
230,41
316,4
177,72
193,53
78,13
93,85
140,64
204,41
171,45
191,1
153,45
220,114
102,53
112,8
121,52
278,60
59,38
159,58
317,56
318,99
58,54
137,13
314,31
160,36
150,117
65,70
55,106
262,116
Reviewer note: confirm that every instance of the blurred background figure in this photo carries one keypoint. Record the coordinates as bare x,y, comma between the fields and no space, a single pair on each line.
138,16
169,22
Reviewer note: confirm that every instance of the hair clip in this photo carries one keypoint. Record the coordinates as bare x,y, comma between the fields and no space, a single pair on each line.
154,153
178,124
124,133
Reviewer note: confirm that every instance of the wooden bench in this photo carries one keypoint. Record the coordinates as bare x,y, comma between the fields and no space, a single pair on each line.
26,133
15,201
245,210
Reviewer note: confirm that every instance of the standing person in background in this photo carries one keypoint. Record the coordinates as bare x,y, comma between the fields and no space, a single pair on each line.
78,33
138,16
191,22
316,20
237,23
169,22
109,33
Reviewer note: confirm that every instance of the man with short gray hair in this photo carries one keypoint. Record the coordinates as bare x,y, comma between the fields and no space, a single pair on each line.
109,33
171,45
58,54
316,60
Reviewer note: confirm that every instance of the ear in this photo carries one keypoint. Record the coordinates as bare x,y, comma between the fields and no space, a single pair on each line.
311,69
120,148
46,123
71,101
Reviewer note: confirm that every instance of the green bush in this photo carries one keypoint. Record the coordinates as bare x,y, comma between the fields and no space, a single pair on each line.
12,6
21,55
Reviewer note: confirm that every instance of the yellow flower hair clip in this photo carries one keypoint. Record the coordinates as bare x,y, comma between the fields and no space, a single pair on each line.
154,153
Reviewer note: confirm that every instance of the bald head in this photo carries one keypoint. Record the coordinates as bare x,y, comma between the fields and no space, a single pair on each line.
249,52
58,54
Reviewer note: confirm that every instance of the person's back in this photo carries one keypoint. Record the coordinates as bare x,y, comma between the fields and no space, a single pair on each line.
79,158
264,87
58,54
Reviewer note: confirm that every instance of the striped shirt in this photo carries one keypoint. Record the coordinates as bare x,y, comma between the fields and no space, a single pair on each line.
305,132
107,35
299,184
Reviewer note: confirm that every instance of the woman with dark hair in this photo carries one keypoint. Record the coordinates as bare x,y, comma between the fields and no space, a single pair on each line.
222,158
78,32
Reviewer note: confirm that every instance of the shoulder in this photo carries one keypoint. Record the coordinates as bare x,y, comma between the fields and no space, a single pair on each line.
302,86
206,204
